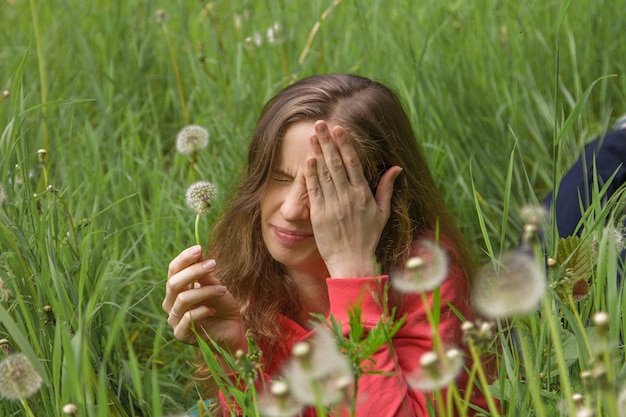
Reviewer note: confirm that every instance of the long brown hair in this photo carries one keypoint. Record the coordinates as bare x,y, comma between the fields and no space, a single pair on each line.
376,119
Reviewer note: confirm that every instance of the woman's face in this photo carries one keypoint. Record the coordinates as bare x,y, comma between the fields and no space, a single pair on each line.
285,221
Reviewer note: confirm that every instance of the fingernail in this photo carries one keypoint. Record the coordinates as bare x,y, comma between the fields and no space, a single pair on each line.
210,264
220,290
321,127
196,249
338,131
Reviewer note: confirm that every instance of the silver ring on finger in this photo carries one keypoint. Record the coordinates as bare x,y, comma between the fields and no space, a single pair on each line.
173,313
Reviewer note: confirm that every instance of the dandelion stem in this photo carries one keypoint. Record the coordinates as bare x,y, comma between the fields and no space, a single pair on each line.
531,377
70,219
555,333
197,229
439,400
29,412
493,409
437,346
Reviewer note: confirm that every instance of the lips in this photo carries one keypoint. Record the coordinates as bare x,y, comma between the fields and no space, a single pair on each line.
289,236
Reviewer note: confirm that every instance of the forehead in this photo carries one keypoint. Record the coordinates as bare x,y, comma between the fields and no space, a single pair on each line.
294,145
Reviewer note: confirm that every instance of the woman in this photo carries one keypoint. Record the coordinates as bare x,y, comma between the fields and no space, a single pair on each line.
335,190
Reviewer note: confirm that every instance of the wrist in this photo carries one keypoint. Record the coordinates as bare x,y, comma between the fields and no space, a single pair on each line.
369,268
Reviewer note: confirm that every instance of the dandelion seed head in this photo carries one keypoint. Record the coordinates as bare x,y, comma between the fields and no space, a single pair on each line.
253,41
276,34
161,16
279,389
435,372
70,409
41,156
514,288
5,292
192,139
324,366
278,402
200,195
3,195
532,214
424,272
4,346
601,319
18,378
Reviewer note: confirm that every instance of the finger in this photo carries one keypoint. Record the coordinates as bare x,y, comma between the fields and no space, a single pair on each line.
183,327
384,190
186,279
349,157
191,299
313,186
187,257
332,161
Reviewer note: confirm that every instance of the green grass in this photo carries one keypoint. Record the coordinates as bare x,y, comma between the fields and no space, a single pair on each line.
503,96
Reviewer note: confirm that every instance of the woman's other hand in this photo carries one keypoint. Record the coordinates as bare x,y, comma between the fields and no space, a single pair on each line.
196,300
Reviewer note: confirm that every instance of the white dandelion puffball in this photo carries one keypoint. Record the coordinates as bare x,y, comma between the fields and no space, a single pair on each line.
513,288
318,370
437,372
192,139
200,195
424,272
18,377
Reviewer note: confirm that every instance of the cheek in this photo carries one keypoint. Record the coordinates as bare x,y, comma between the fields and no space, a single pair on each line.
270,202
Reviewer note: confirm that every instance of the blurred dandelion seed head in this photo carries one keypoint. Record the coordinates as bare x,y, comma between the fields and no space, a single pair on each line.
41,156
3,195
18,378
319,371
4,346
532,214
5,292
513,288
435,372
200,195
253,41
276,34
161,16
279,402
70,409
191,139
424,272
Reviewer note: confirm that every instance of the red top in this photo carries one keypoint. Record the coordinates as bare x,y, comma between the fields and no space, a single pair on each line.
387,394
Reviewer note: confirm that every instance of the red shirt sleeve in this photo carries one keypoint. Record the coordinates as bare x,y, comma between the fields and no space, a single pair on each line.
387,393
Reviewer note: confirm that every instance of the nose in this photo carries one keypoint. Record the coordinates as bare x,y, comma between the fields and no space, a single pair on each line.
295,206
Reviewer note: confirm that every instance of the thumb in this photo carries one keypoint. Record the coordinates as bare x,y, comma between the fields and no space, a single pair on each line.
384,190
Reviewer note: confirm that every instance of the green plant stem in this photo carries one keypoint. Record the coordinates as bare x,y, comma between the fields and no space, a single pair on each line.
493,409
42,70
29,412
197,229
560,358
579,322
70,219
531,378
179,82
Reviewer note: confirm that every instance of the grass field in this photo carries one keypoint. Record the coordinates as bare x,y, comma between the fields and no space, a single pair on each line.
503,96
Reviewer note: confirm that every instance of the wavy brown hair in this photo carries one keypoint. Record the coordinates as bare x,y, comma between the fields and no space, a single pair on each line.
375,118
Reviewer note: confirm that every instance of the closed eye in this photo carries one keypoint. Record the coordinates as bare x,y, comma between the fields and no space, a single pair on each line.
280,176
